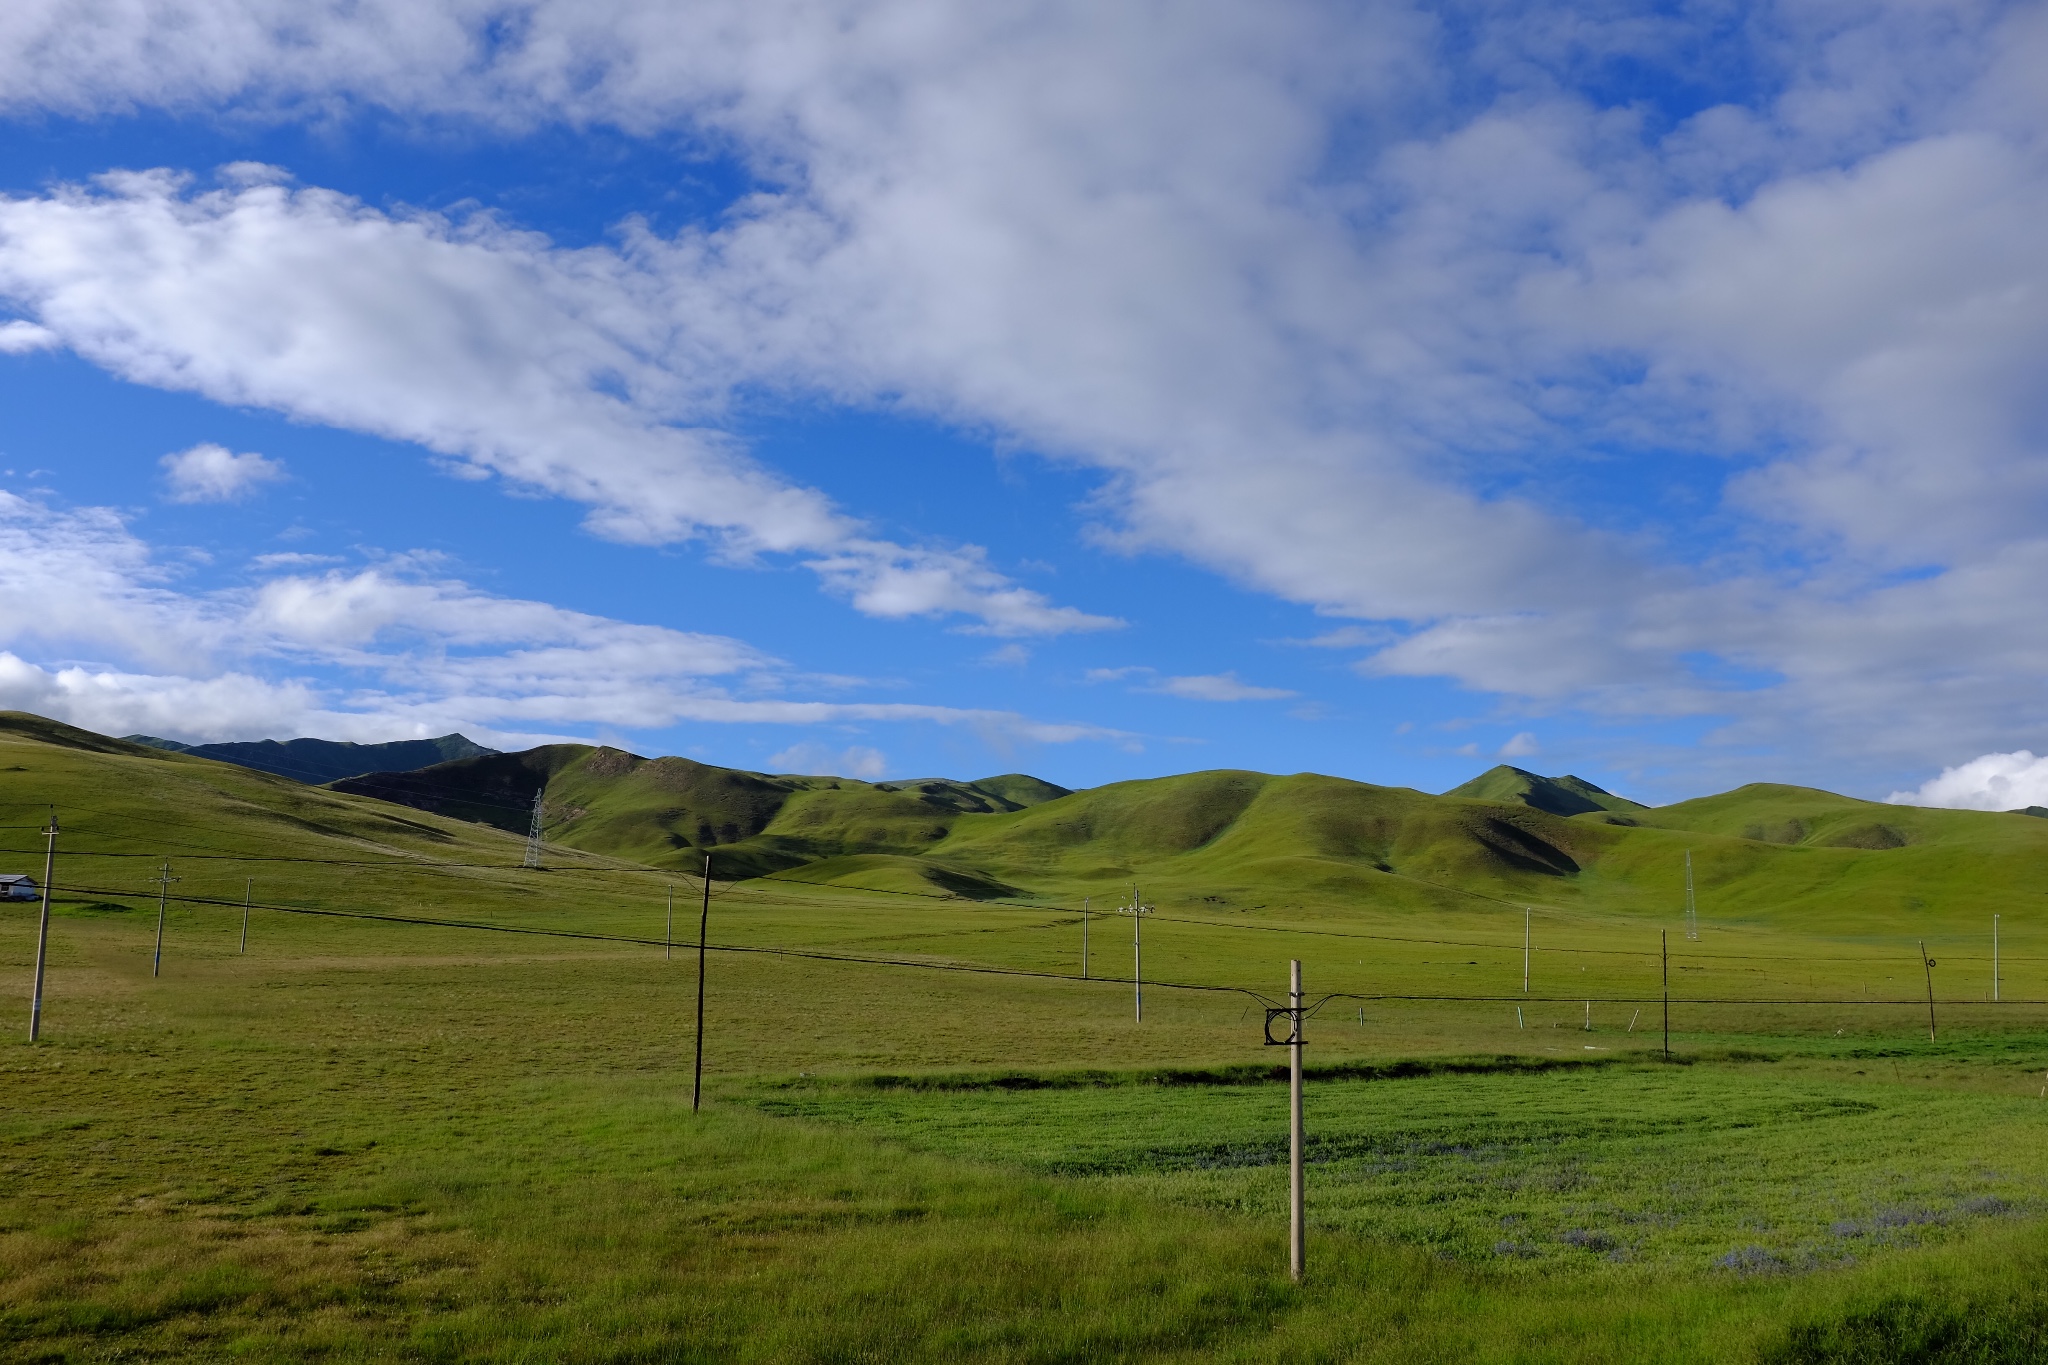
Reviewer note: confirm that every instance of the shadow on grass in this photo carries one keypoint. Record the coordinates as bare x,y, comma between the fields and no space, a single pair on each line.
1903,1329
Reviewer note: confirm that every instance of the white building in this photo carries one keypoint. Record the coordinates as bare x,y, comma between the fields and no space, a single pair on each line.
17,886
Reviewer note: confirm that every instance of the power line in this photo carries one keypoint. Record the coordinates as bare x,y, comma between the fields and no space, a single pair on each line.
1875,958
821,955
593,936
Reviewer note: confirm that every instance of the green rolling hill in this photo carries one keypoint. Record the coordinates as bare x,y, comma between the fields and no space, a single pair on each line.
1237,841
1226,842
1558,795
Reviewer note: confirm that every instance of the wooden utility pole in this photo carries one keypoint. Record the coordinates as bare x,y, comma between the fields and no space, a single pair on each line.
1927,964
163,882
1084,937
703,927
1297,1222
35,1004
1664,943
1994,958
248,890
668,934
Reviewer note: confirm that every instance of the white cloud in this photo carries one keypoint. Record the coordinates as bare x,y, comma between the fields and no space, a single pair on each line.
1993,782
213,473
557,370
869,765
1522,745
391,651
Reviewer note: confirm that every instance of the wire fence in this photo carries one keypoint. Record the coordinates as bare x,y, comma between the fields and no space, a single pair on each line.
621,867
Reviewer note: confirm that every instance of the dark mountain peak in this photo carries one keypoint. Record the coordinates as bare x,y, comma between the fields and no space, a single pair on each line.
314,761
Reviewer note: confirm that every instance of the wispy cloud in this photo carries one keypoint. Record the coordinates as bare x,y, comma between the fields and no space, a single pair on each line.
1197,687
1523,745
390,651
869,765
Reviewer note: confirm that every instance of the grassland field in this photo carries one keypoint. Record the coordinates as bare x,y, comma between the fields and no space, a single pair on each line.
369,1140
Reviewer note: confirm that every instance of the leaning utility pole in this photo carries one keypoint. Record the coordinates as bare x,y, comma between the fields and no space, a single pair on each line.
35,1005
163,882
668,935
703,927
533,829
1137,910
1927,963
248,890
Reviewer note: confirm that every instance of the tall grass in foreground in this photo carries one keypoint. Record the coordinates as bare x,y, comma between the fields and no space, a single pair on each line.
601,1228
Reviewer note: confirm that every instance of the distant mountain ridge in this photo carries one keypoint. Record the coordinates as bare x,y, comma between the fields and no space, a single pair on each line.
1565,795
1218,841
671,812
319,761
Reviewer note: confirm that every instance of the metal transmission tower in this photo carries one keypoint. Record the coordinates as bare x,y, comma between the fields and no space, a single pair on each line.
1137,910
533,830
1692,913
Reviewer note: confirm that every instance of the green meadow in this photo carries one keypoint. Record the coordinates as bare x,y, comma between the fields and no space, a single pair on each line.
370,1139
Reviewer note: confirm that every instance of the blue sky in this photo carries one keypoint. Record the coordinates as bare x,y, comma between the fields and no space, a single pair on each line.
1647,392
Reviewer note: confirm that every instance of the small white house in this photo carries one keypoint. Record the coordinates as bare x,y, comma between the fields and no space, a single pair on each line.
17,886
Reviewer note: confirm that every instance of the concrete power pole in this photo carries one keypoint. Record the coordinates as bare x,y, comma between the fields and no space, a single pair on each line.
163,882
1297,1202
703,929
1137,910
1297,1194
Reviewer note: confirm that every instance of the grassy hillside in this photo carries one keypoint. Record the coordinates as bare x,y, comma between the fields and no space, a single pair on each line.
126,808
670,812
